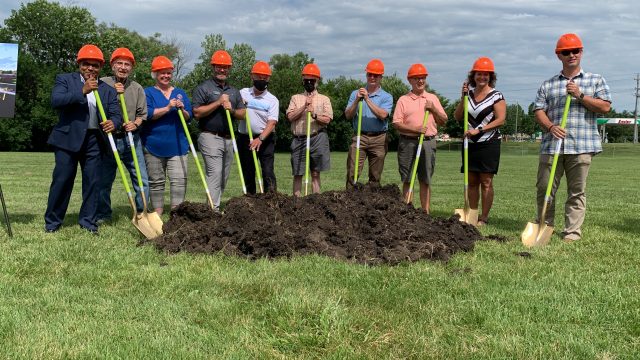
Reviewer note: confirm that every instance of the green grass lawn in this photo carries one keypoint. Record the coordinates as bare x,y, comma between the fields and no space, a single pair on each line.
74,295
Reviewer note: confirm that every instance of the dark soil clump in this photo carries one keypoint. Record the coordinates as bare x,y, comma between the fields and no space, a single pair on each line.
369,225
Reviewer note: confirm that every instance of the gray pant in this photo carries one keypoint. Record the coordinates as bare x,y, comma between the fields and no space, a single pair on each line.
159,168
217,153
576,167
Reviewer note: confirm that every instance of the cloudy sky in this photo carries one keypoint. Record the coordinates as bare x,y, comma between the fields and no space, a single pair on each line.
447,36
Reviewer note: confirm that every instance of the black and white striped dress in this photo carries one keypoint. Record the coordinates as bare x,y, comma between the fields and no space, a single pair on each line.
484,148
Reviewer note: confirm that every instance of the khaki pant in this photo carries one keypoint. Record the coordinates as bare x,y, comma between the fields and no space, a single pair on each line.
576,167
373,147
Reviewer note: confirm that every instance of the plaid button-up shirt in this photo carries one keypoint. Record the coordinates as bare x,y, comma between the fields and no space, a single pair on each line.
582,127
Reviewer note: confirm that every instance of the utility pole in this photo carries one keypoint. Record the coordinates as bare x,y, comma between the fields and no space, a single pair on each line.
635,112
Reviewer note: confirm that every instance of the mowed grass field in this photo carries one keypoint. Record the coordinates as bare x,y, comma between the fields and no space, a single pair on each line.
74,295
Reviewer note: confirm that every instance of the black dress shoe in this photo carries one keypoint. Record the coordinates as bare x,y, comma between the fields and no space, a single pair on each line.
51,230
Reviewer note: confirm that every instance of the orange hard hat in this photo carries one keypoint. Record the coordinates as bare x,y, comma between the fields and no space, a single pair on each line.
262,68
483,64
568,42
90,52
375,66
311,70
221,57
417,70
122,53
161,63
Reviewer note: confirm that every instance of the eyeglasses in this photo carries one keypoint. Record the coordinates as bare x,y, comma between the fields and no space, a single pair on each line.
572,51
88,64
371,75
309,81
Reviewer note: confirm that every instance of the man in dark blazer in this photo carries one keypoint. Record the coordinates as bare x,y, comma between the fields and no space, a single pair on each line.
78,137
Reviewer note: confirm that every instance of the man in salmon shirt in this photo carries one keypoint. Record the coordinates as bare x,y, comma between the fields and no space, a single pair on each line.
407,119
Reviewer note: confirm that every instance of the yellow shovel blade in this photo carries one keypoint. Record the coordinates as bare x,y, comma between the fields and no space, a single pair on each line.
142,224
536,234
155,222
470,216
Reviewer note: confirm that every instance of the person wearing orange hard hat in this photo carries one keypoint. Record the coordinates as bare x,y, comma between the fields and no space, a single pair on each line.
122,63
487,110
376,108
165,144
319,107
78,138
590,95
211,99
408,118
263,109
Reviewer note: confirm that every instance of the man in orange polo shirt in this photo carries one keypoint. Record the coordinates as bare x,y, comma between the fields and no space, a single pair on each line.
407,119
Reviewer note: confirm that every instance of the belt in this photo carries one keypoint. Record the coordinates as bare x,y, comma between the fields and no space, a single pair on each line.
222,135
417,137
311,135
372,133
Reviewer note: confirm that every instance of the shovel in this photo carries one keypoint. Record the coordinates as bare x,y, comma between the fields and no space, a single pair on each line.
255,156
195,157
415,163
140,223
235,152
307,155
468,215
540,234
355,174
152,217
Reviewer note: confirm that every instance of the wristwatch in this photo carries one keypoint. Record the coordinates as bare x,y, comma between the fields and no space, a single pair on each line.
261,138
581,96
480,129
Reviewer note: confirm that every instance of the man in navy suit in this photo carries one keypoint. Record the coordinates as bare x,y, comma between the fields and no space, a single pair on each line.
78,137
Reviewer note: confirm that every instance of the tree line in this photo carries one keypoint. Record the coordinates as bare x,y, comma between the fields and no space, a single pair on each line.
49,36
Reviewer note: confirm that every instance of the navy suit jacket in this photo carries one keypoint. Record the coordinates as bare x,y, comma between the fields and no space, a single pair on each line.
73,111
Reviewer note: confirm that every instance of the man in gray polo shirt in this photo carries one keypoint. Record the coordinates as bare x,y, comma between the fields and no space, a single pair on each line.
210,101
263,109
122,62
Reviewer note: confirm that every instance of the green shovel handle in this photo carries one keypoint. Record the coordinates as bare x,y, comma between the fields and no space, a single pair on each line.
307,155
418,151
195,158
466,141
235,151
125,116
355,174
253,152
556,154
113,145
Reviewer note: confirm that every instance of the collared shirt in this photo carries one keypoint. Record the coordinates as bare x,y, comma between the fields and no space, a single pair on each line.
260,109
582,127
134,98
370,122
321,105
91,101
208,92
410,111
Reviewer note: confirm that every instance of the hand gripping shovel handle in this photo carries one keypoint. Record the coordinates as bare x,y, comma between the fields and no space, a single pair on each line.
235,152
253,152
307,155
556,154
195,157
115,151
358,134
415,163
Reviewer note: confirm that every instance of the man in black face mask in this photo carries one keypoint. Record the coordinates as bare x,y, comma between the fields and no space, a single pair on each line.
262,110
319,108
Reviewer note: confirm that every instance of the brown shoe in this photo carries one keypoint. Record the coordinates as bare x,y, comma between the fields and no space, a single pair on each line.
569,238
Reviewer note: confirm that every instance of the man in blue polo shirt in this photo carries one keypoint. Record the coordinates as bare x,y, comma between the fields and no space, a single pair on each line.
376,108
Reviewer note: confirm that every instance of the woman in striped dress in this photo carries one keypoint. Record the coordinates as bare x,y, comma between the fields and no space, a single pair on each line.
487,111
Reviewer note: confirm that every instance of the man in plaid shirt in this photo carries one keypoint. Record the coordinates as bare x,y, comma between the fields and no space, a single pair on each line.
590,96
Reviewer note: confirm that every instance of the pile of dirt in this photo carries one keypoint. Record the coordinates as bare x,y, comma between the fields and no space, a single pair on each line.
368,225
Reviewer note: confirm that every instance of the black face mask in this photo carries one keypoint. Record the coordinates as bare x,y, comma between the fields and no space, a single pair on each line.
309,84
261,85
